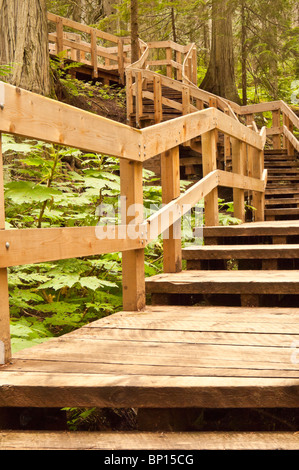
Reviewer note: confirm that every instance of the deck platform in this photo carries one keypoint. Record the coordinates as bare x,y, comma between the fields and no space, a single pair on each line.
164,357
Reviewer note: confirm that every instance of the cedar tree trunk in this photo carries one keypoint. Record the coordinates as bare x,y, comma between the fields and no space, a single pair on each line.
220,76
24,44
134,31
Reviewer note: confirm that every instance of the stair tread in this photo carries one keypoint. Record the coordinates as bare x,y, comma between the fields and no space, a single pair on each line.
240,251
278,227
225,282
132,440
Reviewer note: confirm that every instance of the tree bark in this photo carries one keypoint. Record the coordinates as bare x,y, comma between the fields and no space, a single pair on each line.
24,44
220,76
134,31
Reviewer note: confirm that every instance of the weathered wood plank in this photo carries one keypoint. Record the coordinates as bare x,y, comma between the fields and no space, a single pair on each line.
31,115
221,282
60,390
242,252
51,440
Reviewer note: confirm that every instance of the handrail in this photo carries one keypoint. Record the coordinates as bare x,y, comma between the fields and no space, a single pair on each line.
98,56
30,115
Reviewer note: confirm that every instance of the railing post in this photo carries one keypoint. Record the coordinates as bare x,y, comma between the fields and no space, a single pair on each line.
179,61
121,66
209,163
258,198
158,110
5,345
275,124
238,165
59,33
133,260
194,66
129,96
139,104
169,59
94,54
170,180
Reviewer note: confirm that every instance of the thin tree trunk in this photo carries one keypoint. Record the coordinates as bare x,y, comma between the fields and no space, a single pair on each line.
24,44
220,76
134,31
243,54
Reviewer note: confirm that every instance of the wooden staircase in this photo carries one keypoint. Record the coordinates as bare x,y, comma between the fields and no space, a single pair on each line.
282,192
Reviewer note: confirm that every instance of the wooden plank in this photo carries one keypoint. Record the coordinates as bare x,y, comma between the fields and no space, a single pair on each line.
159,221
139,102
132,211
170,182
5,344
82,27
225,282
60,440
209,164
276,124
258,198
94,54
26,246
158,99
60,390
255,229
238,158
242,252
234,180
165,354
164,136
31,115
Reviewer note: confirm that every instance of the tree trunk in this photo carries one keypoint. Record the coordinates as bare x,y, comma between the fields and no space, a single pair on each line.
243,54
134,31
24,44
220,76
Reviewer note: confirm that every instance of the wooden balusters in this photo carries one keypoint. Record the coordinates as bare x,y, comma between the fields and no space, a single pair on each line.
129,97
138,98
133,260
179,61
238,166
258,198
286,142
59,33
209,163
5,348
275,125
94,54
158,111
169,59
121,61
170,180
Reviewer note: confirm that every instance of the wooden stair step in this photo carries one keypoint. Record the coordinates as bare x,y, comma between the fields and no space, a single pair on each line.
282,201
134,441
276,152
275,228
286,163
240,252
225,282
282,211
288,190
282,171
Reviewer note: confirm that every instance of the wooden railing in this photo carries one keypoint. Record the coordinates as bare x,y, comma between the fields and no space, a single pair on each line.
88,45
26,114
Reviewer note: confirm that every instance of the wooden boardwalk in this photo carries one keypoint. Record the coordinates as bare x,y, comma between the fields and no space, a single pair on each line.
213,336
169,357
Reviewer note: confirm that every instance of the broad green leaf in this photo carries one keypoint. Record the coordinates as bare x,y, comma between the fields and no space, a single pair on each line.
27,191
